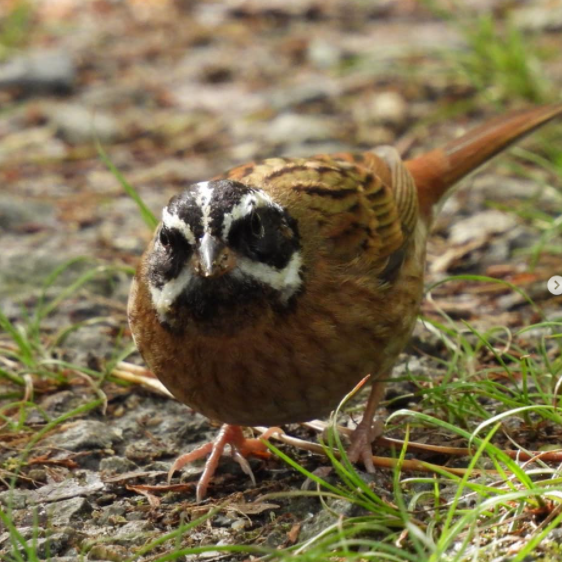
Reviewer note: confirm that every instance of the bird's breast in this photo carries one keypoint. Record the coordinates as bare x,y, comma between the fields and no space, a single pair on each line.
286,368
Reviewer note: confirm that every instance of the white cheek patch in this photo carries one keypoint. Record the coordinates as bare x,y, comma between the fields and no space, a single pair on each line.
173,221
164,298
287,280
254,200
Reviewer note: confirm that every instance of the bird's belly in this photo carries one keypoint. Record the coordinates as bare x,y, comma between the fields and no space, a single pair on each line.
293,368
269,388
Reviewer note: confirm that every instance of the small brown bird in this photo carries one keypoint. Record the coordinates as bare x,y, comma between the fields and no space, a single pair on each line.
269,292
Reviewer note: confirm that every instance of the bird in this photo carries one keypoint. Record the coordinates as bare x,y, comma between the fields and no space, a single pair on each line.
268,292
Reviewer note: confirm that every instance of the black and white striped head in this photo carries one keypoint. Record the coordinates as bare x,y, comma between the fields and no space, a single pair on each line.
221,247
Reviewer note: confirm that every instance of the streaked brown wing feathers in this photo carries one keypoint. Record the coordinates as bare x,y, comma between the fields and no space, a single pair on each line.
365,205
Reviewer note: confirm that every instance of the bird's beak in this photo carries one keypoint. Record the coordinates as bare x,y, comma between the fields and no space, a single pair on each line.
213,258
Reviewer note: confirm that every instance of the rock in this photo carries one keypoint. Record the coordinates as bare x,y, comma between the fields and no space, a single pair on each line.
85,434
44,252
484,224
57,543
45,71
68,512
318,523
311,91
77,124
324,54
539,18
108,553
24,215
498,188
134,533
87,340
291,128
117,465
58,403
89,483
388,108
297,150
44,547
14,499
112,514
38,474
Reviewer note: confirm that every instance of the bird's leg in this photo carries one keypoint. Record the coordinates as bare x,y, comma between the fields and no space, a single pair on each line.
241,446
367,430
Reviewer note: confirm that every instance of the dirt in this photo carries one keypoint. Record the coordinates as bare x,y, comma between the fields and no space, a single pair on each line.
177,92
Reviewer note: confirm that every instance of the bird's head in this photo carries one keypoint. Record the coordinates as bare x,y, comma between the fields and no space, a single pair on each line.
222,249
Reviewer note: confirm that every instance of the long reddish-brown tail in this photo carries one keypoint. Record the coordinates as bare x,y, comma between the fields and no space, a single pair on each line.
436,171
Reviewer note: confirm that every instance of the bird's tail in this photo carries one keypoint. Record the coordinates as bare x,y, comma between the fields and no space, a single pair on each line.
436,171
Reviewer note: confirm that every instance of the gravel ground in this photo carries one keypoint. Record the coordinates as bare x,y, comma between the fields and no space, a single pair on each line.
176,93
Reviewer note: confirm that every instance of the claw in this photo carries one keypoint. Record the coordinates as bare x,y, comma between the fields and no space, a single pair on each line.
362,440
241,448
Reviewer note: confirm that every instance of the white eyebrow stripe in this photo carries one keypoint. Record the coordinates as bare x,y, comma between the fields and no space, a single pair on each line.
203,200
254,200
173,221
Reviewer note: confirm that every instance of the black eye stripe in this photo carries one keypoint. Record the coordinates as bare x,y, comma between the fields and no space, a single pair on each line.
256,225
185,207
164,236
173,239
276,245
168,260
266,234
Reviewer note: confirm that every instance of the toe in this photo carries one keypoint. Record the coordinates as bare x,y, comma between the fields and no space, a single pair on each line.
361,443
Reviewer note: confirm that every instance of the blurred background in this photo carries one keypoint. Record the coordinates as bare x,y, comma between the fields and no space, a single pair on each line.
177,91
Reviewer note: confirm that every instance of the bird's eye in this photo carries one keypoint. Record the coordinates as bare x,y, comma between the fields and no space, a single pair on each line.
256,226
165,237
265,236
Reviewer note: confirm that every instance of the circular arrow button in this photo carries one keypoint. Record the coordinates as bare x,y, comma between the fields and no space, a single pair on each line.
555,285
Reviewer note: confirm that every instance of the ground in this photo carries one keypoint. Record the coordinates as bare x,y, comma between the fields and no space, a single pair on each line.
177,92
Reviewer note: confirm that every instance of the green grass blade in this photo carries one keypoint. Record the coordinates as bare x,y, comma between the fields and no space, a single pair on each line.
147,215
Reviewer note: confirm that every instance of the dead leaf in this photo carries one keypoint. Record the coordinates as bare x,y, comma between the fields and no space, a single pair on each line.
293,534
152,499
252,508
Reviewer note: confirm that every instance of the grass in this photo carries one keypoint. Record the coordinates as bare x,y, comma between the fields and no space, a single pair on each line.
499,501
500,61
491,389
15,27
27,352
494,390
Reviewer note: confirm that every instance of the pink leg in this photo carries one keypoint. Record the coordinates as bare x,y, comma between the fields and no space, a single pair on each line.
367,431
241,448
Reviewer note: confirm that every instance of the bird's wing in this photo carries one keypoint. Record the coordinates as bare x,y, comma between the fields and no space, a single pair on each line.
364,205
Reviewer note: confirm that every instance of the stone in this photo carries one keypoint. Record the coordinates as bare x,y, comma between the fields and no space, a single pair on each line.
389,108
77,124
324,54
89,483
20,215
85,434
291,128
38,72
68,512
484,224
134,533
117,465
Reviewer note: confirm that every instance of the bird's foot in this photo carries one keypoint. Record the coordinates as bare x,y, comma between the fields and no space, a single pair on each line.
361,442
241,447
